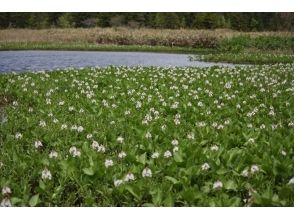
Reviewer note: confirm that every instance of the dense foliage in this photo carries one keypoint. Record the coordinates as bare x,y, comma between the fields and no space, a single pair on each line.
121,136
252,58
237,21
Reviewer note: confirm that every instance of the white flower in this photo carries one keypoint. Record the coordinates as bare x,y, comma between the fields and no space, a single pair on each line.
175,142
191,136
5,203
245,173
217,185
117,182
147,172
167,154
129,177
155,155
138,104
18,136
283,153
75,152
205,166
254,169
101,148
175,149
89,136
148,135
38,144
214,148
74,127
6,190
42,124
163,127
291,181
53,154
122,155
228,85
80,129
120,139
177,121
46,174
108,163
251,140
95,145
63,126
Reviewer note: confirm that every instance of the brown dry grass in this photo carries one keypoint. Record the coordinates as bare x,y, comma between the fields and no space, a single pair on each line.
123,35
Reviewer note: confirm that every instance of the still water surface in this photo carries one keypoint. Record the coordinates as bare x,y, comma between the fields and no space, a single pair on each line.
20,61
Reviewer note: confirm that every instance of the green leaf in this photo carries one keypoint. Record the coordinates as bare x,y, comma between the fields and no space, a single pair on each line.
148,205
42,185
91,162
169,201
142,158
178,158
45,162
131,190
15,200
173,180
204,142
88,171
231,185
157,197
221,171
34,200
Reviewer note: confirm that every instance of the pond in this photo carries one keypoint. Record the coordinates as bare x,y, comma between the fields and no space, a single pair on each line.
20,61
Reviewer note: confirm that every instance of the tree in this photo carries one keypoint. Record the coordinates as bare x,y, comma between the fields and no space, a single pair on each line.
65,21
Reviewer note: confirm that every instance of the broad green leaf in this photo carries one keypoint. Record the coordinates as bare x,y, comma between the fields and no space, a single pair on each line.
178,158
204,142
169,201
45,162
42,185
130,189
148,205
34,200
142,158
157,197
15,200
230,185
173,180
88,171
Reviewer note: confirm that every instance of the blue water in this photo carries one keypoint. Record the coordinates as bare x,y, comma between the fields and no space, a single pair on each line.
20,61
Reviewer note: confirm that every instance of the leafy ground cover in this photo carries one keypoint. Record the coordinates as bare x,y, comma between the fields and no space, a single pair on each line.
120,136
249,58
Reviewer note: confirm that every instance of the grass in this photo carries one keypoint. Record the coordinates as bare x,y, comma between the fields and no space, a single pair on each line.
99,47
249,58
89,137
216,45
224,40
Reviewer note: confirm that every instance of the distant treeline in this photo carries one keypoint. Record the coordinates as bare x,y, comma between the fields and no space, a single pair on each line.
237,21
